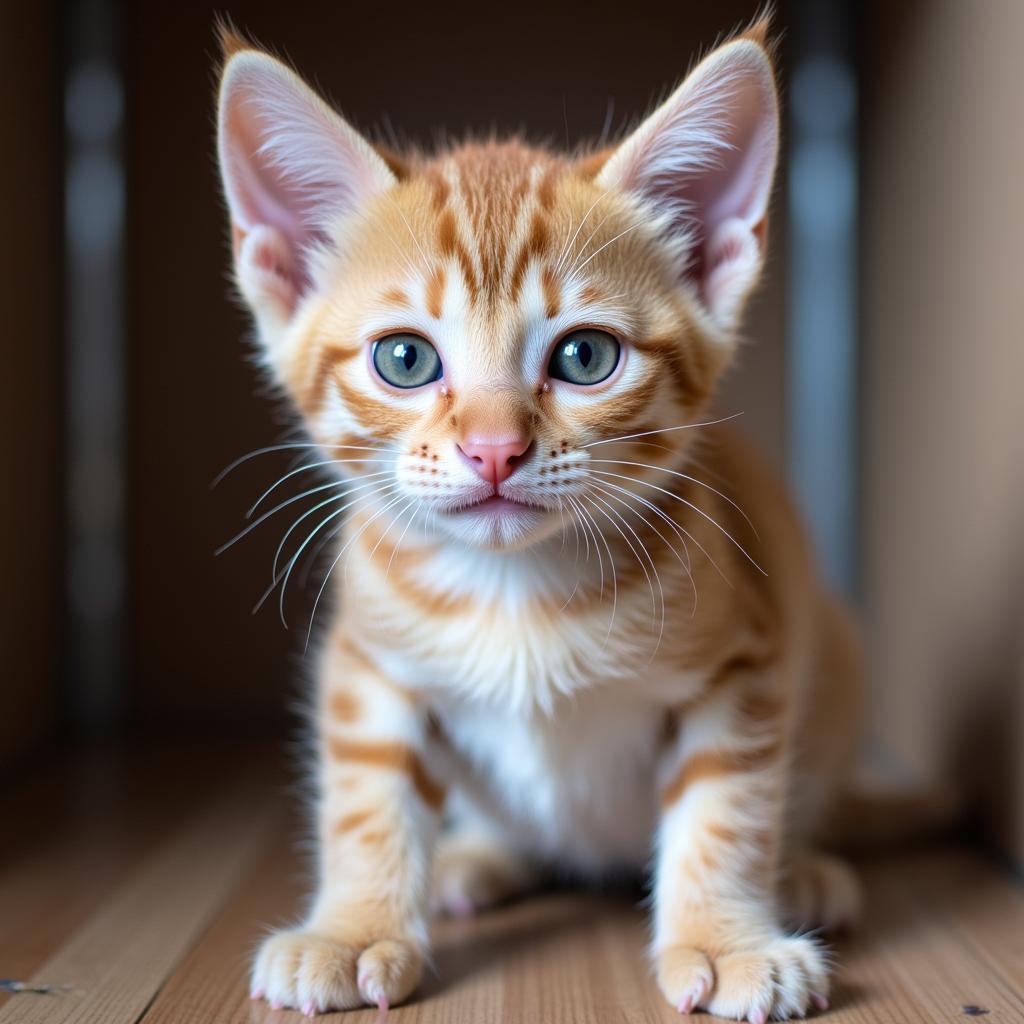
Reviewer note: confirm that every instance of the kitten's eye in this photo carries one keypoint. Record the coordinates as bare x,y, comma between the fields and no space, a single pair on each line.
584,357
406,360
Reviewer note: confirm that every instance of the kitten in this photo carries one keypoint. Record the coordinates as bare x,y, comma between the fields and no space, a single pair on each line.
557,629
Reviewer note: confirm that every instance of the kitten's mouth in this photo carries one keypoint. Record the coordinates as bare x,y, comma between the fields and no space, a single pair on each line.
496,504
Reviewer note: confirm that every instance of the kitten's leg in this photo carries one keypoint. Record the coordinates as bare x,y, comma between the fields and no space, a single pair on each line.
718,942
474,869
820,891
365,937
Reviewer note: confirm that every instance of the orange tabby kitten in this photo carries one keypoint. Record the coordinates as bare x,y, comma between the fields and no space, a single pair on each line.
559,632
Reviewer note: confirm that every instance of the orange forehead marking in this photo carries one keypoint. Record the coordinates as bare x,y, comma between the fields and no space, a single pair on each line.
435,292
450,244
552,294
535,245
396,297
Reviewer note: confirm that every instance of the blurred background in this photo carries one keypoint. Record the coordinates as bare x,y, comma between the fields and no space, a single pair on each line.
883,368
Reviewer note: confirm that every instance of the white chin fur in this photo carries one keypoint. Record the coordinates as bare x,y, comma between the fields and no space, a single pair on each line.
507,530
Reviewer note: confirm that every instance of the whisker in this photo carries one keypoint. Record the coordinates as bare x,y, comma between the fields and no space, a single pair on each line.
663,430
654,566
567,247
619,476
277,508
351,490
583,248
408,227
315,553
397,519
380,491
304,469
414,272
681,533
581,512
685,563
575,529
415,513
682,476
597,252
570,597
636,554
285,574
611,559
347,545
291,447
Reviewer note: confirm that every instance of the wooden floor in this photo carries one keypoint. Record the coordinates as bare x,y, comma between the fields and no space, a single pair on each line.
142,883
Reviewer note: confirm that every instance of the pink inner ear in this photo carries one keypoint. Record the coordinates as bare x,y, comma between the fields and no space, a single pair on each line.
267,268
726,202
706,158
290,166
263,190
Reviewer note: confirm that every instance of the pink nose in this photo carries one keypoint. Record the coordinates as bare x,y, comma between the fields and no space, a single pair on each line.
495,462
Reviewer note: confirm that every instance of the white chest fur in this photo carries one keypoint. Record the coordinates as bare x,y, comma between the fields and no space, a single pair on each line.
555,718
575,786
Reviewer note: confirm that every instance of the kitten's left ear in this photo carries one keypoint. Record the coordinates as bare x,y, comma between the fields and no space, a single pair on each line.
290,166
704,161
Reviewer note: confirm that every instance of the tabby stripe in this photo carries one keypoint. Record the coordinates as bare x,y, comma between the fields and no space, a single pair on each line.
450,244
352,821
713,764
552,294
348,646
536,243
344,706
395,756
435,293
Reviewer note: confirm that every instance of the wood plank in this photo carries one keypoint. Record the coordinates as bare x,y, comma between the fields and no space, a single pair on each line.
982,903
560,957
117,961
212,983
574,957
164,931
905,965
80,828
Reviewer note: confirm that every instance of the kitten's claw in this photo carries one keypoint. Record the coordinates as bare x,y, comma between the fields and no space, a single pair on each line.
693,998
780,980
473,872
314,974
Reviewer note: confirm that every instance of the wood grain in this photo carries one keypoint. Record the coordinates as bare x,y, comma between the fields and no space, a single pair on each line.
167,937
78,830
116,961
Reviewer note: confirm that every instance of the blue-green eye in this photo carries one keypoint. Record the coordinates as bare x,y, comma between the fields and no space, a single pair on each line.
406,360
584,357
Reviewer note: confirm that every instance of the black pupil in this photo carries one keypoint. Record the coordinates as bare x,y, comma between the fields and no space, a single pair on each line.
584,353
408,355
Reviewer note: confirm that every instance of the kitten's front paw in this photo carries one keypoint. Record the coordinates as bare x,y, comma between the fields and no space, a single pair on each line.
473,872
781,979
314,974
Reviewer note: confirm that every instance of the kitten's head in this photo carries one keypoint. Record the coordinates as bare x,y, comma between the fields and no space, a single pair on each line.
474,324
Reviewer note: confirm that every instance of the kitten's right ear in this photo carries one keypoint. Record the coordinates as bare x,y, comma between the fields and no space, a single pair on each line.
290,167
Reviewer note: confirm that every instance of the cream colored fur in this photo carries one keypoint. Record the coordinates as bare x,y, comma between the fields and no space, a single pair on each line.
618,669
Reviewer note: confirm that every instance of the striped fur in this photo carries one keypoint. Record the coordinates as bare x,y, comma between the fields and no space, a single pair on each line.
619,665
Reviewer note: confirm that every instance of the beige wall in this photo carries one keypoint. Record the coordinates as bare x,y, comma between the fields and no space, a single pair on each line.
944,395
